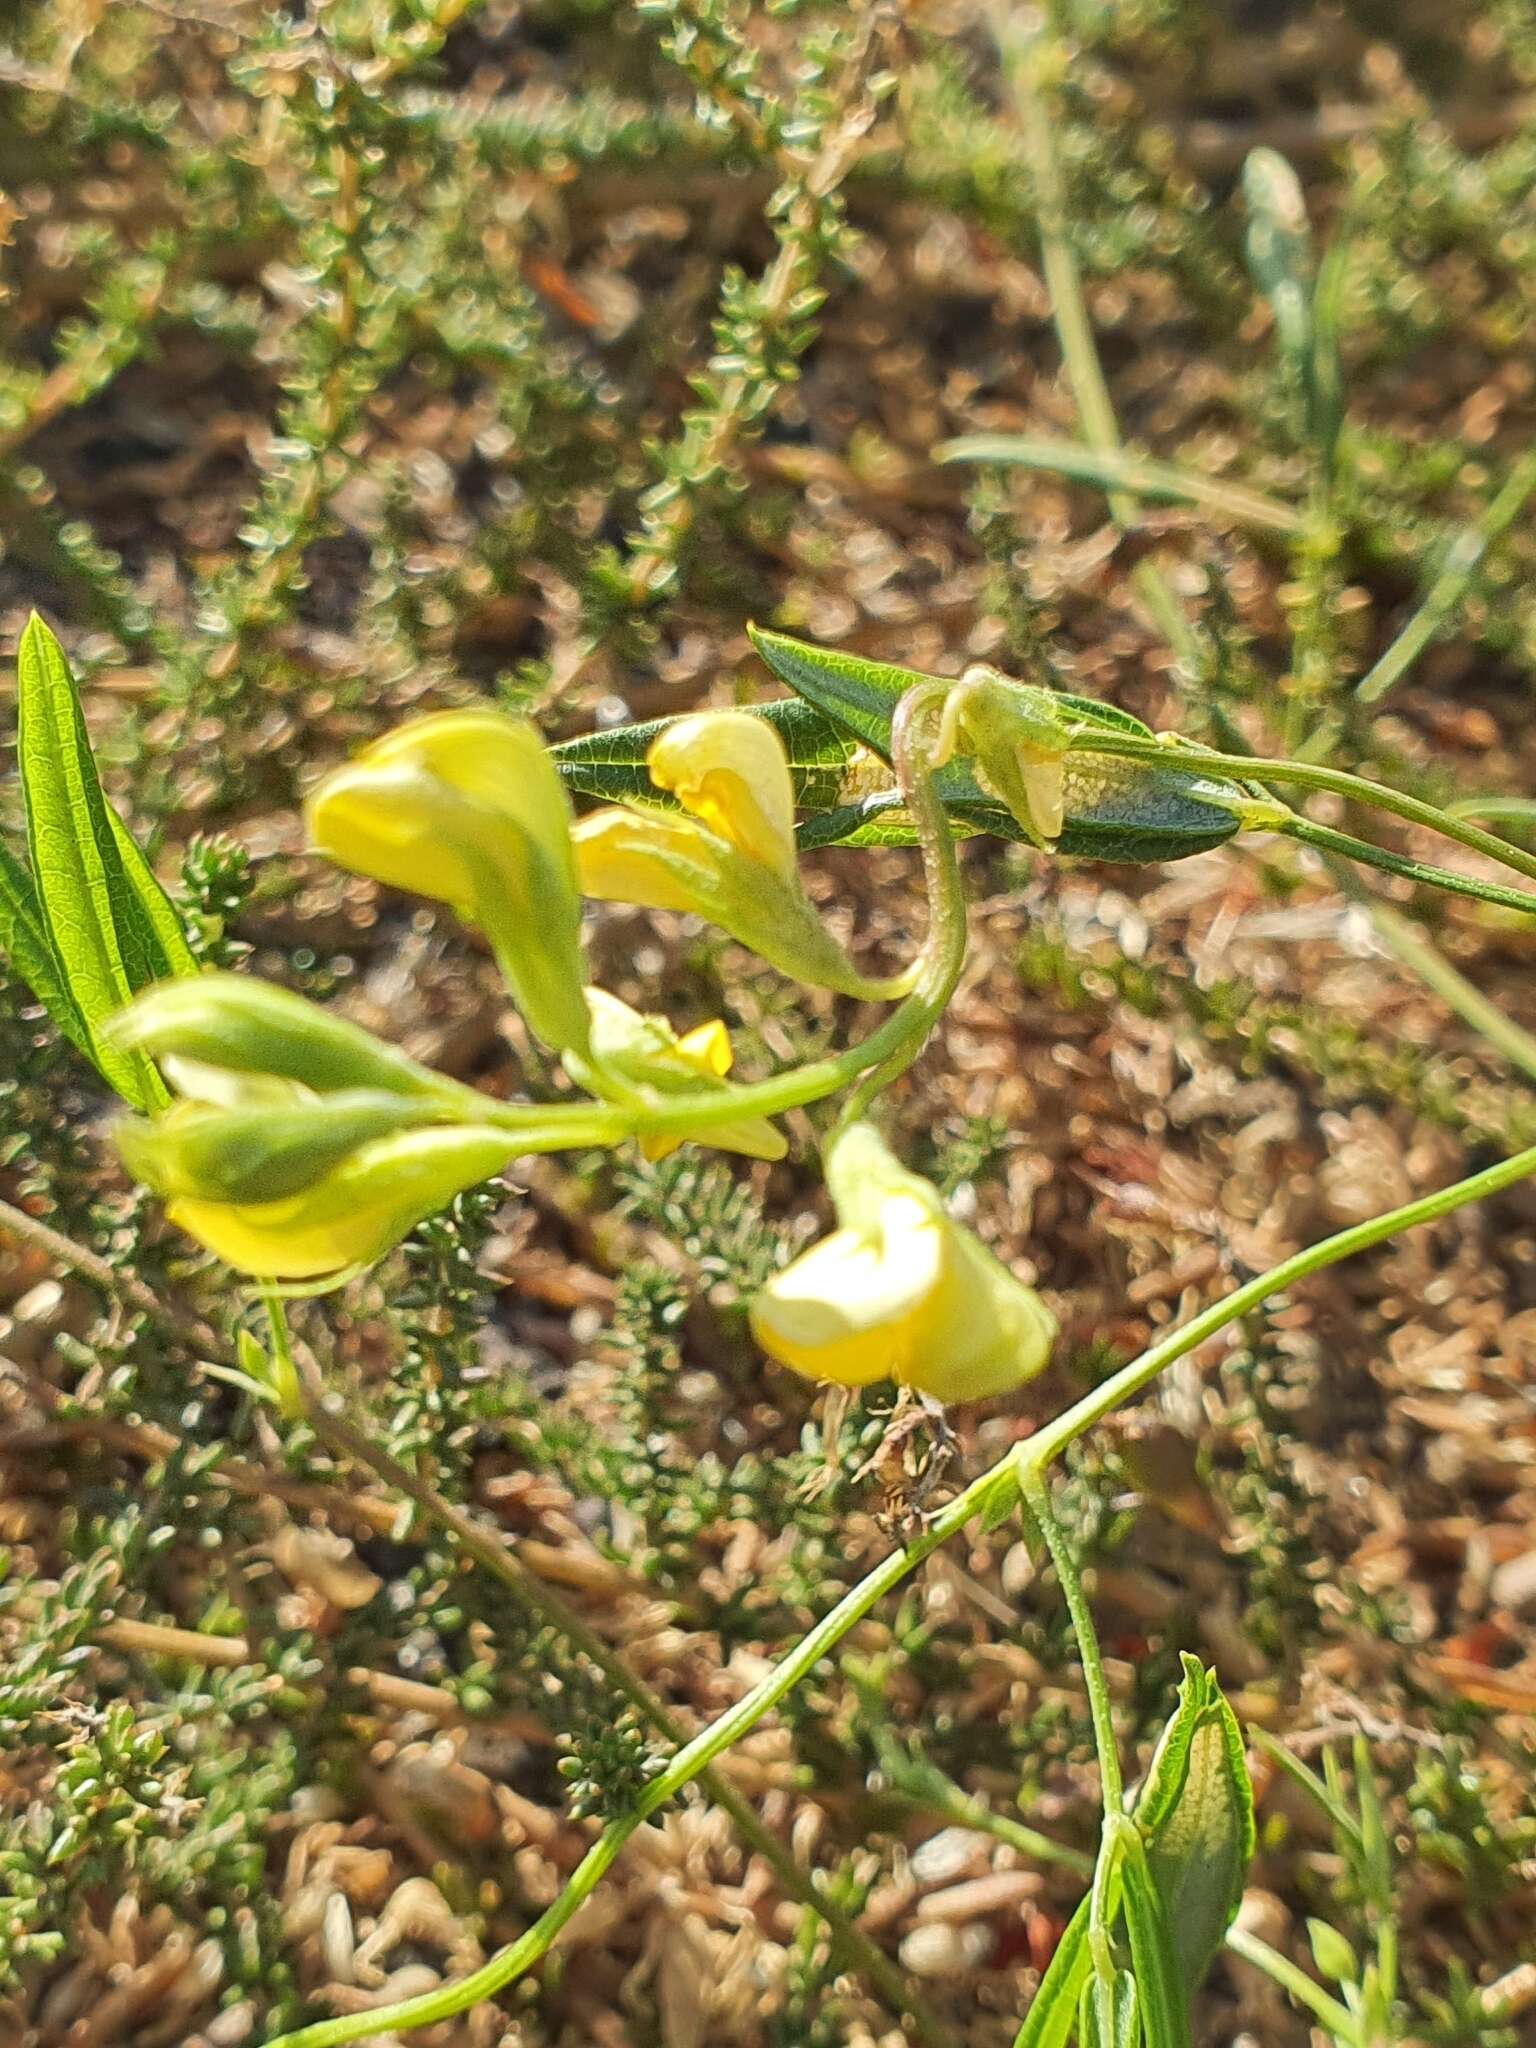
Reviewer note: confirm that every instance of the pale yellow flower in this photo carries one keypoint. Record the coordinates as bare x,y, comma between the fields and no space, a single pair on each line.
900,1291
728,855
645,1052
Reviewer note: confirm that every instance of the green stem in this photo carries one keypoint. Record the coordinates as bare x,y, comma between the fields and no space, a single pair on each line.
1308,775
1436,972
1018,1468
943,955
1451,584
851,1948
1337,2018
1037,1500
1049,1442
1344,845
695,1757
1019,47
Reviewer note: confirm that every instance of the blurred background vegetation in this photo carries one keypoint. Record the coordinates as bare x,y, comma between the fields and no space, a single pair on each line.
366,357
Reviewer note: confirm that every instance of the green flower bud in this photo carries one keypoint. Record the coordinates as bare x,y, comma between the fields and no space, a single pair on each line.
1017,740
259,1152
352,1215
247,1026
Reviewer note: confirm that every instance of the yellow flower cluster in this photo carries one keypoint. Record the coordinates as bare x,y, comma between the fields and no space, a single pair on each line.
300,1148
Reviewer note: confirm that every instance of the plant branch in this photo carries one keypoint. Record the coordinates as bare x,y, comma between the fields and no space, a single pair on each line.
992,1491
853,1948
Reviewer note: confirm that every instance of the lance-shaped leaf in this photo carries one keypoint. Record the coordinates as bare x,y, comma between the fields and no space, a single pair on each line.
847,795
611,766
1114,810
1194,1813
24,943
109,927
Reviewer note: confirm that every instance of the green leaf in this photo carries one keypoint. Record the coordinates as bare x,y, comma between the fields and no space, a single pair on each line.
1053,2011
1196,1813
101,938
1279,249
611,765
1115,810
160,912
1163,1994
838,744
1118,469
1332,1954
24,942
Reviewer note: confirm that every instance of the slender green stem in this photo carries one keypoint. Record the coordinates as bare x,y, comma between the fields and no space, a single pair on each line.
1450,585
695,1757
943,955
1049,1442
852,1948
1504,810
1020,49
920,1780
1037,1499
1113,469
1103,1905
1308,775
1470,1004
1019,1468
1344,845
1339,2020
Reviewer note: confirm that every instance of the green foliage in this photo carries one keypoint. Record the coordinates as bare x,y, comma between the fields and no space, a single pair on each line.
505,329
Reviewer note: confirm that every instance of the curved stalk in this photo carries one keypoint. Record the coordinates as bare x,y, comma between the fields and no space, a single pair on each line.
852,1947
1016,1472
943,954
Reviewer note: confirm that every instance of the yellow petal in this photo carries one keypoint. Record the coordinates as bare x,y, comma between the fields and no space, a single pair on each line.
353,1215
466,807
1044,781
849,1309
981,1332
647,858
730,770
901,1291
646,1051
709,1046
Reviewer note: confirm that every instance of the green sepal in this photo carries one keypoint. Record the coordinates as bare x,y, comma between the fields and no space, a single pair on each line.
1194,1813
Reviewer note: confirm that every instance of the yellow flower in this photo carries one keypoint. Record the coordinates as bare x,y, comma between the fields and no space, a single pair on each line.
900,1291
645,1051
300,1146
355,1213
729,770
265,1142
729,857
467,807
